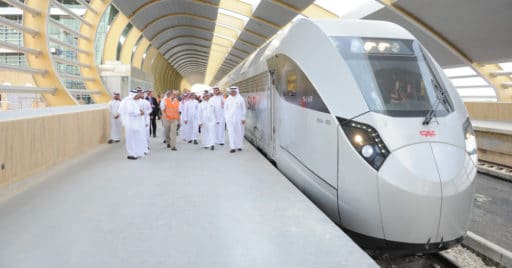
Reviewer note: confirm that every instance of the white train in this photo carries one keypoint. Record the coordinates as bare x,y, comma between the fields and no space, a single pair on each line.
364,122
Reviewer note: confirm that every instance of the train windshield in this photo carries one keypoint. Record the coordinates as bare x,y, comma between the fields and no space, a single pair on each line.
395,76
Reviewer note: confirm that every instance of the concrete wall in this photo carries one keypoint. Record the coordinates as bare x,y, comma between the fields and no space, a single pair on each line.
493,147
33,141
490,111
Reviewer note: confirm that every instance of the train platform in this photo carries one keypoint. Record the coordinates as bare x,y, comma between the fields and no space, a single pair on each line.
492,210
190,208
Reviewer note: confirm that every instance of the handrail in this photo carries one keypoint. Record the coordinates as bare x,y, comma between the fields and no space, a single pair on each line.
23,6
24,89
67,29
23,69
64,44
473,86
463,76
71,13
20,49
86,5
17,26
84,91
70,62
75,77
502,72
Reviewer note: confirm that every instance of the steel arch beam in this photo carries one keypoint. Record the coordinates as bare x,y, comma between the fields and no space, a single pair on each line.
128,45
174,27
150,58
183,54
200,64
93,17
44,60
191,63
193,47
188,60
139,53
181,14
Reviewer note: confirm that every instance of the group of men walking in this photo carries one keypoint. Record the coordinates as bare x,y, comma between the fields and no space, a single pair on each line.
209,115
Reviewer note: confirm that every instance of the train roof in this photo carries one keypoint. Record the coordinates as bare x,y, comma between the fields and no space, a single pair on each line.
256,62
363,28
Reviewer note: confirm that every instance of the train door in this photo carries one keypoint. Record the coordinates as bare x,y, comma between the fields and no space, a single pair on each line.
306,136
305,126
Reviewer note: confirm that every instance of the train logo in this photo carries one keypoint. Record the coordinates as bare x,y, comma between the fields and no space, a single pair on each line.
428,133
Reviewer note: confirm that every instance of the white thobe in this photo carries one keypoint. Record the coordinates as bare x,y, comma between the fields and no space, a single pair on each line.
115,123
145,106
220,125
183,128
190,115
133,123
234,112
207,121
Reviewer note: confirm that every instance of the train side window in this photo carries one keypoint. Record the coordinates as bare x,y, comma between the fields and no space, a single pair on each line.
290,94
297,88
309,97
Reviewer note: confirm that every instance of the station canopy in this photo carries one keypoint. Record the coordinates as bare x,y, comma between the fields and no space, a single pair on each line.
204,40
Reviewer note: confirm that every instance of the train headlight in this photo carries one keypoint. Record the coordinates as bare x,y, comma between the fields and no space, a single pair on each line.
470,138
367,142
367,151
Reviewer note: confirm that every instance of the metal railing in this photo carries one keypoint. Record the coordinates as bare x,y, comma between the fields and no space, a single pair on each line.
23,69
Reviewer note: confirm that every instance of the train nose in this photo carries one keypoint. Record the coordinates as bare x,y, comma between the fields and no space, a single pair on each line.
426,193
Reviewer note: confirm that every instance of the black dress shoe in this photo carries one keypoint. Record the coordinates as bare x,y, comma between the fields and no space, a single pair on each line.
222,144
206,147
232,151
154,136
168,146
190,141
239,149
174,149
132,157
165,141
195,141
110,141
212,147
117,141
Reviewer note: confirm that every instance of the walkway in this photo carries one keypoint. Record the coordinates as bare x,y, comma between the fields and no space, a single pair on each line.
191,208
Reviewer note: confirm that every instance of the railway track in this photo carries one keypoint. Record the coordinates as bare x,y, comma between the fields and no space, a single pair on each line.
434,260
501,172
459,256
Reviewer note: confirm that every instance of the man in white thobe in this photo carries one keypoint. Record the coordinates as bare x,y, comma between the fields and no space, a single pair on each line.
115,119
220,126
190,115
183,129
234,112
145,105
133,120
207,122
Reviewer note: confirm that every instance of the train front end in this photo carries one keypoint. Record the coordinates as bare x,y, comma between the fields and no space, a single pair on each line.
407,166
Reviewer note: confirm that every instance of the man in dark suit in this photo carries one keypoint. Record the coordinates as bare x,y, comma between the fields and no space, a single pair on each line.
154,113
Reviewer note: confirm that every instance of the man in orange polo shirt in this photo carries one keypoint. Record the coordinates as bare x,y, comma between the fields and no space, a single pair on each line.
171,115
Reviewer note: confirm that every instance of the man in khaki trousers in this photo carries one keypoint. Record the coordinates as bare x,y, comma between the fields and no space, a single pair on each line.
171,115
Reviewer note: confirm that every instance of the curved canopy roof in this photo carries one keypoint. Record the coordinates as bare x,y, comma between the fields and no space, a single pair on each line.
205,39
